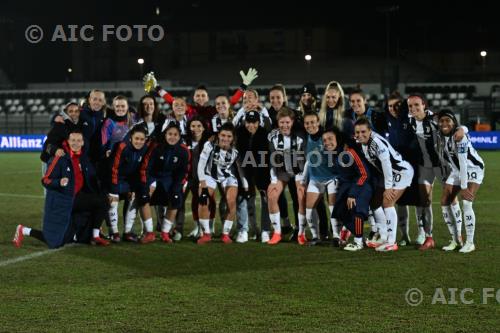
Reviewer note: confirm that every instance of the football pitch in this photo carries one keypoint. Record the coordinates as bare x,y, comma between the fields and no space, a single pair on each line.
243,287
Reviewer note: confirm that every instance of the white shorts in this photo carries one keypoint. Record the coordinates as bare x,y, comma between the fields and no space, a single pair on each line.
212,183
426,175
474,175
402,179
319,187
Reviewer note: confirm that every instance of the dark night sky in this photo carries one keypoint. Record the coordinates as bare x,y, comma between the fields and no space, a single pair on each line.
431,26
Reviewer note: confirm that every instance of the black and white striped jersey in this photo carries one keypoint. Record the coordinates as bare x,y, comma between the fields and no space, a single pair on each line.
217,123
181,123
426,131
462,157
217,163
287,154
379,152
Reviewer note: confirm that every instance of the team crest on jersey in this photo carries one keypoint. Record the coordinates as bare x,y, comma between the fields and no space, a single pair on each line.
462,148
161,157
140,159
176,159
68,169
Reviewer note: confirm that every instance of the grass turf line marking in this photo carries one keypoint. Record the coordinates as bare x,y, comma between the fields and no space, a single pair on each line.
30,256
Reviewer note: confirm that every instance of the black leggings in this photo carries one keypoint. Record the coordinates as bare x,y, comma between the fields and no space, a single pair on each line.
97,205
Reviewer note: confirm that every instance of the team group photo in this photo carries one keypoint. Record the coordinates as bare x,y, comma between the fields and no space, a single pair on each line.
193,171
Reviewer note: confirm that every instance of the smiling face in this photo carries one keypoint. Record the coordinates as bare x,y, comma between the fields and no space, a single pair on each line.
73,111
362,133
332,97
311,124
393,105
252,126
138,140
172,136
306,99
225,139
276,98
285,125
179,106
196,128
75,142
97,100
446,125
120,106
222,107
416,107
357,102
148,105
200,97
329,141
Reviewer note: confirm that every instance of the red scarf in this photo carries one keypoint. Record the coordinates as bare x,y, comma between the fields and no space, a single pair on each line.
75,161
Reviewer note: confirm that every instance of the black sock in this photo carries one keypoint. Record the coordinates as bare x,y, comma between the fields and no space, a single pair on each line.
37,234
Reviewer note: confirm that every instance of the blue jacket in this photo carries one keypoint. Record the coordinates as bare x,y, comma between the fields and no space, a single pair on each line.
126,162
59,199
354,170
166,163
91,122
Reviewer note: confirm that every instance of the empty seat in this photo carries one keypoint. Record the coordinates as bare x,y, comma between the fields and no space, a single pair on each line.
34,108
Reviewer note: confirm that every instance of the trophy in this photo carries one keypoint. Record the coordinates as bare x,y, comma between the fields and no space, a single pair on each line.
149,82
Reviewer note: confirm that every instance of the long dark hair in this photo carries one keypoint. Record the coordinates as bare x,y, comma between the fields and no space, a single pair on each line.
204,136
142,112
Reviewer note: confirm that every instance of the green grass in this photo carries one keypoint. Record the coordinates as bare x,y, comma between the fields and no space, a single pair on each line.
238,288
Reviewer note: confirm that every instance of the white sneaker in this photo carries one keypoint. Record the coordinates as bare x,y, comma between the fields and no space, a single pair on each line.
387,247
352,247
195,232
468,247
242,237
264,237
177,236
451,247
420,239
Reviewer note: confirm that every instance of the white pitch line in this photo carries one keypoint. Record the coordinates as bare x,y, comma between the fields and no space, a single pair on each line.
28,257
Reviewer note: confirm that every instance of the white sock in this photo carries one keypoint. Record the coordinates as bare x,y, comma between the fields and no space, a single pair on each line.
113,216
457,215
148,224
26,231
371,220
205,226
470,221
403,220
392,224
380,220
95,232
313,223
358,241
303,219
419,211
334,223
130,216
275,221
428,221
167,225
447,219
227,227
